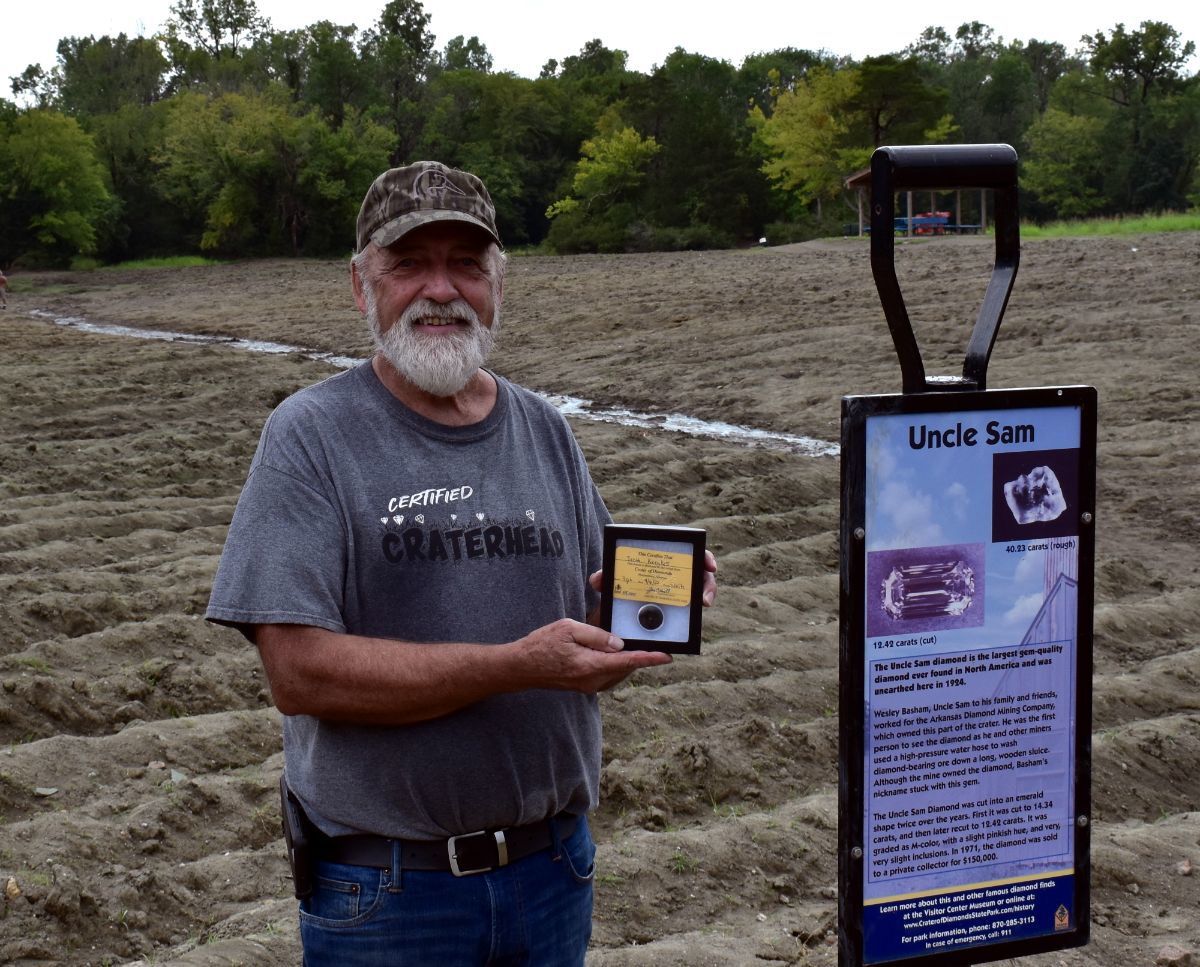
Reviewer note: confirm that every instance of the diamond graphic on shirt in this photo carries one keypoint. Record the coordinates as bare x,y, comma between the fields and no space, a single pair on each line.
420,518
530,514
399,519
940,589
383,520
454,516
479,516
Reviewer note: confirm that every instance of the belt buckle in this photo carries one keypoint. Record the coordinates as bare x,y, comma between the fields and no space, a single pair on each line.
501,852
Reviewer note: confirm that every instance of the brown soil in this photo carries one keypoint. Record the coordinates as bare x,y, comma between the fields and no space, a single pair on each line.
138,751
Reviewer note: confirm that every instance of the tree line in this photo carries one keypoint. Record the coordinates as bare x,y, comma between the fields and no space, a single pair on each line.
223,136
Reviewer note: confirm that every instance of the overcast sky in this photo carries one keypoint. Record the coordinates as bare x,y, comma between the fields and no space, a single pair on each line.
522,35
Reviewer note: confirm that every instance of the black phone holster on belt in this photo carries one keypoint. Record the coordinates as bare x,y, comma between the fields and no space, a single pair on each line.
298,836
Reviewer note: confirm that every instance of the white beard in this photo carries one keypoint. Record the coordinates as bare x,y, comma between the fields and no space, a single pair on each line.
440,365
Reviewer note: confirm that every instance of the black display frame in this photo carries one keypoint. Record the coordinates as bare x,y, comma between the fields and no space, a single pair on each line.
694,536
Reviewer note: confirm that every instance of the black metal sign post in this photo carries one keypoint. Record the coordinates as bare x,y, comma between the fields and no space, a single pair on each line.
967,551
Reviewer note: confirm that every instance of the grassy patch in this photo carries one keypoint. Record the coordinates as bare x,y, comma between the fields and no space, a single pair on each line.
169,262
731,810
681,862
1120,225
1115,226
521,251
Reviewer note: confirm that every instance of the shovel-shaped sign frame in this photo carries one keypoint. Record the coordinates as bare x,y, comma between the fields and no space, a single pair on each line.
941,166
967,559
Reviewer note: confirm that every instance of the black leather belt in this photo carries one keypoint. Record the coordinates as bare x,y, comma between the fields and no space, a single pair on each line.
461,855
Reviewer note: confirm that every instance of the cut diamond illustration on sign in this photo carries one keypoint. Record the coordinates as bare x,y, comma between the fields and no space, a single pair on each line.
925,589
941,590
966,594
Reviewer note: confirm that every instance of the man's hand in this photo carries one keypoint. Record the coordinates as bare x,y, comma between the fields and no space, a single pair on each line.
709,595
350,678
580,657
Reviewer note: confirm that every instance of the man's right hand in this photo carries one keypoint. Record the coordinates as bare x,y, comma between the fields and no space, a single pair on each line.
350,678
581,657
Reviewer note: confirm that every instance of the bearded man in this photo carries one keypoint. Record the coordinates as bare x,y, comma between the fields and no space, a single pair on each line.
415,554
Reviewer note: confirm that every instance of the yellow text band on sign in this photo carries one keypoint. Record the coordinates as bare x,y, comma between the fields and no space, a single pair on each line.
660,577
970,887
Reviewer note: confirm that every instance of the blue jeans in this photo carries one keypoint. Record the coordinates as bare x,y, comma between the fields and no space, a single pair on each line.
536,912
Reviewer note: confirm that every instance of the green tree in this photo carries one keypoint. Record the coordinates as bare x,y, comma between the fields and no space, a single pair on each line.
595,67
527,133
1151,136
337,79
514,132
706,178
611,166
763,77
599,212
110,84
97,77
400,49
52,192
216,45
896,102
827,126
1048,61
283,56
264,180
220,28
809,140
992,96
1065,170
34,83
975,41
1140,63
931,47
589,83
130,143
462,54
994,90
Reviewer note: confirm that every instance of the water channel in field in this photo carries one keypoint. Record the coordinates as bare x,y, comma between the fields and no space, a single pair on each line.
568,405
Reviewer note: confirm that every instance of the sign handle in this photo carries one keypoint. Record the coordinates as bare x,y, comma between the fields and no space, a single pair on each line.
944,166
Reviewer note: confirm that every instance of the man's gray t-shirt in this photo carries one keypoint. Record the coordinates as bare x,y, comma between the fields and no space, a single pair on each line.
360,516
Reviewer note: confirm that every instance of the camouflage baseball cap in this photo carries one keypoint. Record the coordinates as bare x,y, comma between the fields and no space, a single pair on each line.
402,199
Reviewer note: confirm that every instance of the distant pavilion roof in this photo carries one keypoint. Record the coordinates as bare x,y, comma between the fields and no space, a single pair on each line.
860,183
860,179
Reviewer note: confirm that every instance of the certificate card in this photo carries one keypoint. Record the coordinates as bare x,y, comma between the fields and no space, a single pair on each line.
653,580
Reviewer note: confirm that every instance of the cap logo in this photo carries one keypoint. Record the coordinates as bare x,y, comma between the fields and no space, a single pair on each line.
434,182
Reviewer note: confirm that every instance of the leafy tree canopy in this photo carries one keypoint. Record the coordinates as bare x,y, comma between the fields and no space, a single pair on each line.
809,139
225,133
52,192
610,167
97,77
1138,62
220,28
466,54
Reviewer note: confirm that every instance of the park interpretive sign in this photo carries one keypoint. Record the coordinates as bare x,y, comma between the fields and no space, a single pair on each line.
967,526
967,556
